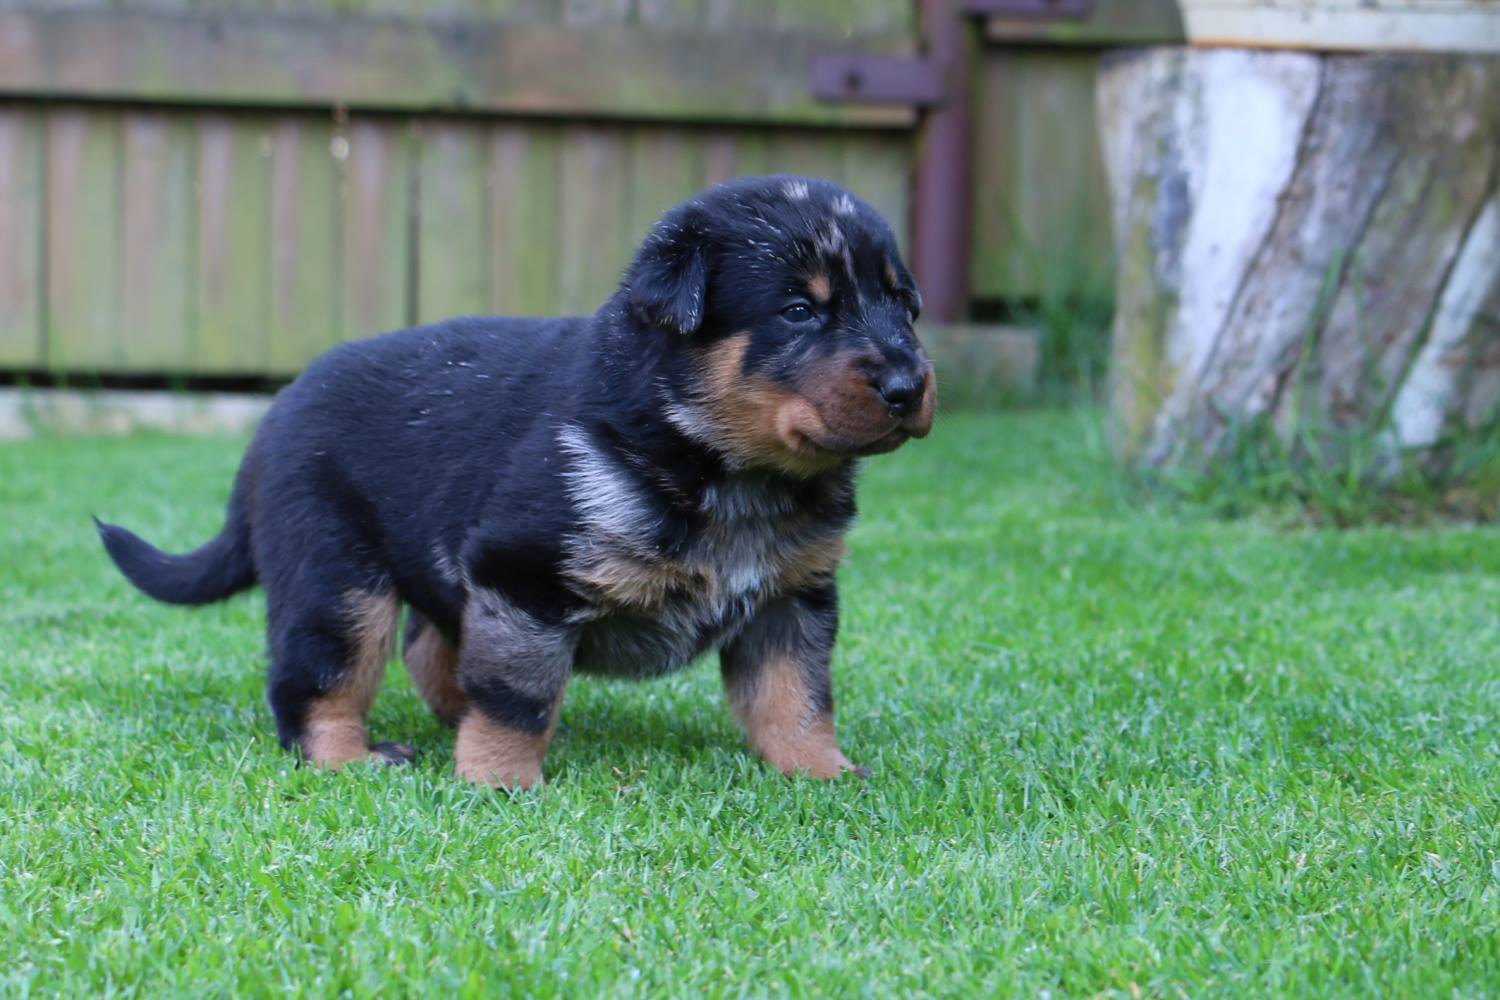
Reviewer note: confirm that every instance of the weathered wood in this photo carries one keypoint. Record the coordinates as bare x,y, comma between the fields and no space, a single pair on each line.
524,214
1307,242
1110,23
878,169
283,60
233,280
21,220
1041,203
810,154
666,167
306,301
453,221
592,240
1453,384
1346,25
735,154
83,240
376,236
156,242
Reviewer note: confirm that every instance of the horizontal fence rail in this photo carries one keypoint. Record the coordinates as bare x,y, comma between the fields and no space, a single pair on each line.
239,58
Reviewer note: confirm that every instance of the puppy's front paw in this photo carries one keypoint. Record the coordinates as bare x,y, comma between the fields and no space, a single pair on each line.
507,778
824,763
494,756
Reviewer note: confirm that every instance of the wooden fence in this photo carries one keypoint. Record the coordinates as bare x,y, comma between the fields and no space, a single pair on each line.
226,187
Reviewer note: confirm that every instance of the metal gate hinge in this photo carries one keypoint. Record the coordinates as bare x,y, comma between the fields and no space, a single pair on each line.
867,79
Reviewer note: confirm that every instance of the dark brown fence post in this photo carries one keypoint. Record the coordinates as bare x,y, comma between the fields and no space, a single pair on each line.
941,207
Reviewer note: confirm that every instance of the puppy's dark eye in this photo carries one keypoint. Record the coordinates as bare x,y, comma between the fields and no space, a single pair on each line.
797,312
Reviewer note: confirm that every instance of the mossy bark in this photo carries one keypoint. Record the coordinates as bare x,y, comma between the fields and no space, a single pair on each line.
1306,242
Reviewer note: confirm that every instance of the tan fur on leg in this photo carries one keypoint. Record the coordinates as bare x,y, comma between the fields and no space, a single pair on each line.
776,710
488,753
432,662
334,729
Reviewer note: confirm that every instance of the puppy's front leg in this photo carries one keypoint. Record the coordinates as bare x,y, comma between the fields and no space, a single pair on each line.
777,678
513,669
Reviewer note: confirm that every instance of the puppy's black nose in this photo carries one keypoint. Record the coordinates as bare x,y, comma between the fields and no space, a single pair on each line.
901,390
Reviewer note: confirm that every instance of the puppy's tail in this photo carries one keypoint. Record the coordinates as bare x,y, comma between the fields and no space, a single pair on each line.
209,573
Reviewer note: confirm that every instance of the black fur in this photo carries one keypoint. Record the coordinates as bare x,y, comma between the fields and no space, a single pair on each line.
456,460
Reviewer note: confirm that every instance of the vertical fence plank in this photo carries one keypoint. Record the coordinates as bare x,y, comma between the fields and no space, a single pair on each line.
1060,195
83,239
20,238
234,251
735,154
878,169
305,250
524,217
595,185
808,153
1041,211
453,245
995,265
156,265
377,245
666,167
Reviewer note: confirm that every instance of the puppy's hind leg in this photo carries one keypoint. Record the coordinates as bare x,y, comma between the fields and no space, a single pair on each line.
327,662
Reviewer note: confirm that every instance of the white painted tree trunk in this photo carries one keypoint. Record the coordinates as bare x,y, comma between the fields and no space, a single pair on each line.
1306,242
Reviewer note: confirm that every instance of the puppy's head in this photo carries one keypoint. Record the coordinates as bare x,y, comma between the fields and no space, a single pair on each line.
795,310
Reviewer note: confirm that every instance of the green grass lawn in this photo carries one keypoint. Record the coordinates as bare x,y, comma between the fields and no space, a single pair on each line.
1116,751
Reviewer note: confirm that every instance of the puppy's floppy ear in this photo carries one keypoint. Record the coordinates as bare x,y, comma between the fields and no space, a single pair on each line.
668,280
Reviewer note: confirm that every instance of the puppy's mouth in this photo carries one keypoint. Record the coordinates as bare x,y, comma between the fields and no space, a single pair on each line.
842,447
854,426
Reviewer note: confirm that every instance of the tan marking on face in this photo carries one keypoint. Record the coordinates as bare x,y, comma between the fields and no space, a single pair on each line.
848,405
432,662
892,280
803,431
334,727
487,753
758,422
813,563
820,288
776,710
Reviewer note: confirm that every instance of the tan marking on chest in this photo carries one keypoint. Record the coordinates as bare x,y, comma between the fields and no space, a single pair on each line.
647,585
628,579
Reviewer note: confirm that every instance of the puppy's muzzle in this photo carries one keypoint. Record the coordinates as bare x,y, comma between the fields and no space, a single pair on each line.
909,393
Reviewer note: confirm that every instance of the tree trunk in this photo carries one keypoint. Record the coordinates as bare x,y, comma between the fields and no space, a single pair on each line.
1307,243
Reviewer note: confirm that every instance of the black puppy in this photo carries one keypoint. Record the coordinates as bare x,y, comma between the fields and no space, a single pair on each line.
614,494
